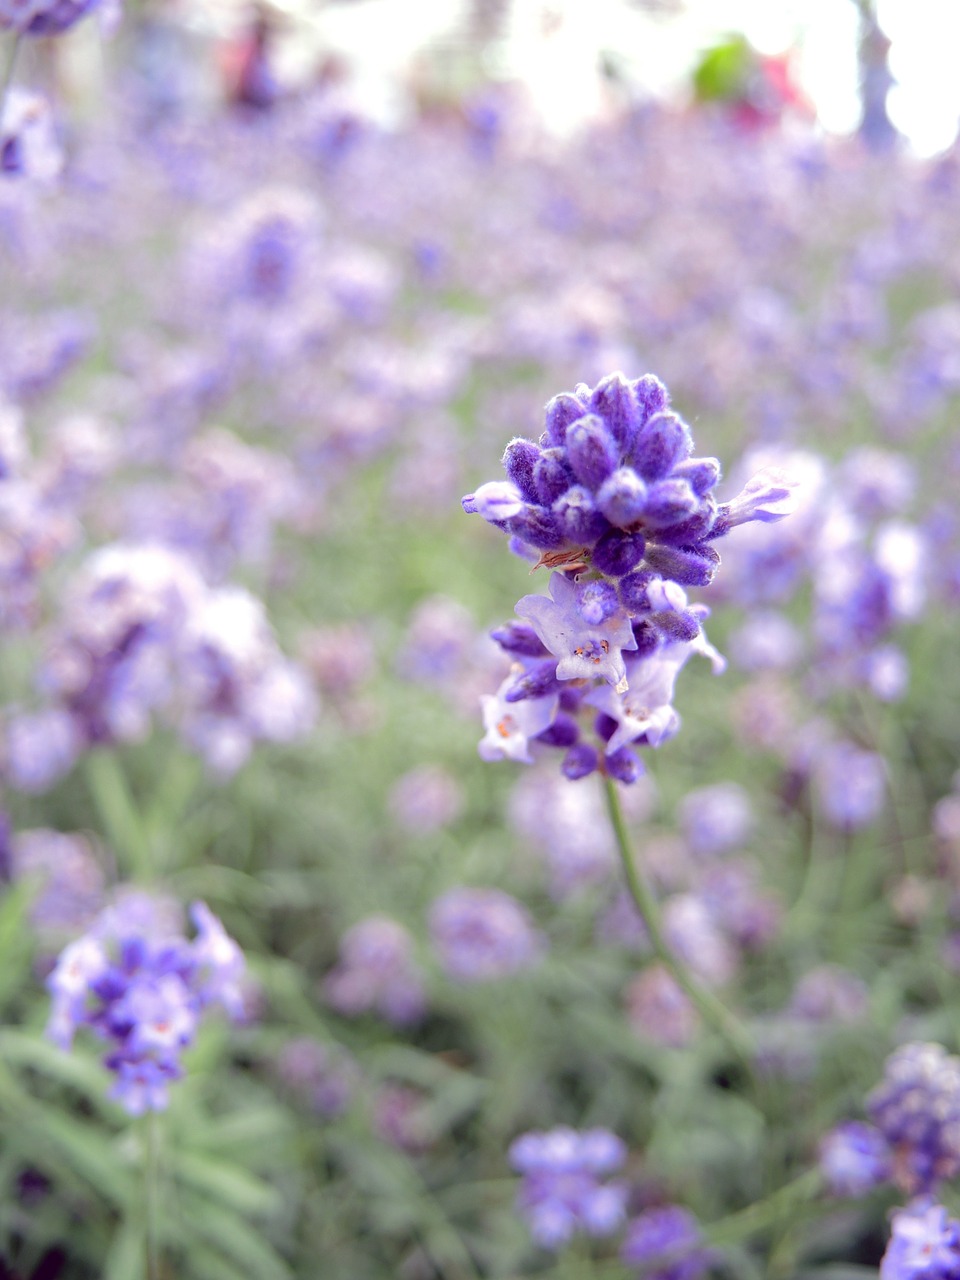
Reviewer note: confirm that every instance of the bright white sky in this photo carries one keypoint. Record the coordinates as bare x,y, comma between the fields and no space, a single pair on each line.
925,104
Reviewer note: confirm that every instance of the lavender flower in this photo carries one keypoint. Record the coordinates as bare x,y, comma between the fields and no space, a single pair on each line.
561,1192
917,1109
613,501
376,973
426,799
323,1075
851,785
483,934
716,820
854,1158
667,1243
924,1244
658,1009
70,881
143,989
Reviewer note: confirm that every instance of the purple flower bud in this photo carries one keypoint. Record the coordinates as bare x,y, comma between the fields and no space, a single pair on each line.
552,475
668,503
598,601
678,626
623,765
617,553
664,441
537,527
538,681
497,500
577,516
519,638
632,589
591,450
564,732
519,460
702,474
580,761
646,637
623,497
690,566
652,396
560,412
615,400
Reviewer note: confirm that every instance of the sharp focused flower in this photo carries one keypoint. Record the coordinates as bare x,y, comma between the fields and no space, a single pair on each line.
611,499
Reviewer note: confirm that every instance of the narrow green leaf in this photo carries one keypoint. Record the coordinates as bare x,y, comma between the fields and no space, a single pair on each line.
127,1259
228,1233
234,1187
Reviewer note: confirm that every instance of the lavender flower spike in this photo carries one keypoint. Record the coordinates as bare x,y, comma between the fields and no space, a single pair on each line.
586,651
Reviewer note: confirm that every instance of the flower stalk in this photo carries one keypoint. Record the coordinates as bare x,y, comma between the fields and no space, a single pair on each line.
713,1011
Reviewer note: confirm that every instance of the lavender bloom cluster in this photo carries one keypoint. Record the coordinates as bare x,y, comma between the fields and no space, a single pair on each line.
917,1109
612,499
483,934
562,1191
143,988
141,634
667,1243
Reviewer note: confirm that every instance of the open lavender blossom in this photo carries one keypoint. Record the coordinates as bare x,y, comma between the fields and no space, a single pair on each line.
924,1244
612,499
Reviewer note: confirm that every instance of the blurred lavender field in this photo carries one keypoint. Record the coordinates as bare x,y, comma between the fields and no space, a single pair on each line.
294,982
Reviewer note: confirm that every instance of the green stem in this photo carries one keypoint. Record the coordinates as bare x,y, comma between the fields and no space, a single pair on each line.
151,1175
713,1011
780,1205
118,812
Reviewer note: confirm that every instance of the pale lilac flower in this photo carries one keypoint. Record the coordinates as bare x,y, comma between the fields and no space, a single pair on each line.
717,819
586,651
480,935
561,1192
666,1242
854,1158
924,1244
377,973
510,726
